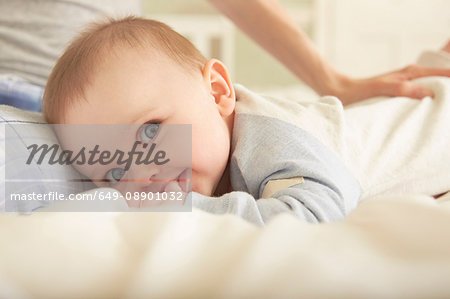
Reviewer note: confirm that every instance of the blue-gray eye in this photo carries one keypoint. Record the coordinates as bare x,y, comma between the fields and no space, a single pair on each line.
114,175
149,131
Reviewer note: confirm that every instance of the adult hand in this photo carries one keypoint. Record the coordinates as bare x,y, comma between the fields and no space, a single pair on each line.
396,83
271,26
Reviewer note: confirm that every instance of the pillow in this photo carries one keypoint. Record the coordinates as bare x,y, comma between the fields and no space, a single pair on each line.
19,129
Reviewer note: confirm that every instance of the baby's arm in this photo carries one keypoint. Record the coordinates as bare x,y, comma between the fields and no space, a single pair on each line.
274,150
309,201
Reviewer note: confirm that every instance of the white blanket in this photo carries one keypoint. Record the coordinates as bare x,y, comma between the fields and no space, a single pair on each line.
390,247
391,145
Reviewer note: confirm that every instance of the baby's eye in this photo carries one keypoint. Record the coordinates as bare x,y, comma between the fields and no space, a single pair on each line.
149,132
114,175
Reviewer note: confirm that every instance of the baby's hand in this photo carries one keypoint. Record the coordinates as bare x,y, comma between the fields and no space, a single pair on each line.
172,195
174,189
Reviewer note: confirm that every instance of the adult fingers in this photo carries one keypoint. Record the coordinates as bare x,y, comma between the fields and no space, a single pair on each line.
408,89
416,71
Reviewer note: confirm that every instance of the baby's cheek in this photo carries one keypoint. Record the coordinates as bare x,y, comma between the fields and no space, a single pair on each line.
86,171
203,162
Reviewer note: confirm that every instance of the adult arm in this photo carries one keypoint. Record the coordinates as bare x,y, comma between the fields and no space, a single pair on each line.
270,26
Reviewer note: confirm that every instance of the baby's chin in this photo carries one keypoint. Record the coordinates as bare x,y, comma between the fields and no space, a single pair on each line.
202,189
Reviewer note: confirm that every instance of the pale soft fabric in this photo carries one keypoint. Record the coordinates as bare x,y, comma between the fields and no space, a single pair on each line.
391,145
440,59
389,247
18,129
33,34
402,145
273,186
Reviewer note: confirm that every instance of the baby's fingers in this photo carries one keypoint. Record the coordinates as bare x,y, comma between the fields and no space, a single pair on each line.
175,193
173,187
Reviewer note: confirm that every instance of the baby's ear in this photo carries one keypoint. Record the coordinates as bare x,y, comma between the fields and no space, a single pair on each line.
221,88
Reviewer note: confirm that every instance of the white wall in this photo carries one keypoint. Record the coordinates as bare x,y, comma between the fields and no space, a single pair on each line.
359,37
366,37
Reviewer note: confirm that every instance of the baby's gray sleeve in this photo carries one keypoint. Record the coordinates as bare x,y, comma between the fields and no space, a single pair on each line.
270,150
310,201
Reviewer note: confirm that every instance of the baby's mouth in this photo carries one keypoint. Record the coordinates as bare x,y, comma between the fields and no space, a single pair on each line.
160,184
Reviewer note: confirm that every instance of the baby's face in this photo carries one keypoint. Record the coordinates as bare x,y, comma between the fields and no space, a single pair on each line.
146,87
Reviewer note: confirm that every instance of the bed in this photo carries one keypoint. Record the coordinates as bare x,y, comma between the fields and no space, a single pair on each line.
390,246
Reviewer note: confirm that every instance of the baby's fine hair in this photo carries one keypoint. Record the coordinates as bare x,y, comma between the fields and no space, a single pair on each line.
75,68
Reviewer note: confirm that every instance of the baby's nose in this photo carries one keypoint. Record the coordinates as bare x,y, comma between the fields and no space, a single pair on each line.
144,174
139,180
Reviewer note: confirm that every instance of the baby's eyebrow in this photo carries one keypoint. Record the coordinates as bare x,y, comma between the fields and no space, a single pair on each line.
143,114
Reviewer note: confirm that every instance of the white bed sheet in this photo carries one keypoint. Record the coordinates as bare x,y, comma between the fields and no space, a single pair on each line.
389,247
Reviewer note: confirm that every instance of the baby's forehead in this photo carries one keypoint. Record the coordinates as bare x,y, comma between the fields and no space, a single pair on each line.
129,59
121,92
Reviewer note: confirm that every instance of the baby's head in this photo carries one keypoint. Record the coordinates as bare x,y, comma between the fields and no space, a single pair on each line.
139,71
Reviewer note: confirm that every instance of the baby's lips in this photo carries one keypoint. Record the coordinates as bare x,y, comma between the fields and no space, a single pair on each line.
181,183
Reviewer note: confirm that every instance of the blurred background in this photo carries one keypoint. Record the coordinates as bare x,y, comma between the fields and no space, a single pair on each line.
359,37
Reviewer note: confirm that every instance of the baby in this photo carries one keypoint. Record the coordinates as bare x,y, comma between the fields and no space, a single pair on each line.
141,72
